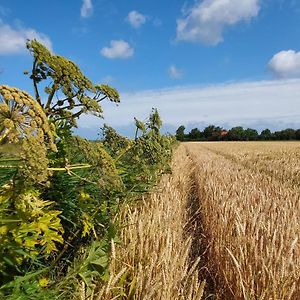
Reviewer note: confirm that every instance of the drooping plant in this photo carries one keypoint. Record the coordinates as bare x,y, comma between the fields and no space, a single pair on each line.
58,192
68,92
39,131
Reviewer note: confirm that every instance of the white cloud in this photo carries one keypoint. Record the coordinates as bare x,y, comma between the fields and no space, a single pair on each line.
136,19
285,64
118,49
207,19
259,104
174,72
13,40
86,8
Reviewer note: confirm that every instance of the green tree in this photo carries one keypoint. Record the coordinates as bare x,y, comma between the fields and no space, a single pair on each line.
208,131
251,134
180,133
297,134
266,135
236,134
195,134
212,133
289,134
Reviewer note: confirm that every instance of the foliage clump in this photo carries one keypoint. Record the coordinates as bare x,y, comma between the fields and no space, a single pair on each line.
59,194
68,91
29,228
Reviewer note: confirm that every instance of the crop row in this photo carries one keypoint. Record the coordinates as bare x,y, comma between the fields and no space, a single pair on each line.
250,218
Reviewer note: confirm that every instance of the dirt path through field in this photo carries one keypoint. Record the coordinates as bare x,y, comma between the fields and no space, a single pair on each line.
158,254
223,226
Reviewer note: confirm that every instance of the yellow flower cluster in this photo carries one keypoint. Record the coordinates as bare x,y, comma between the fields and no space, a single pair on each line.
34,155
111,93
22,117
67,79
58,67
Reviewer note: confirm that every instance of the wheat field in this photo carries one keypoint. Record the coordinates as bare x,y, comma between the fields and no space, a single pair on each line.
155,258
225,225
250,211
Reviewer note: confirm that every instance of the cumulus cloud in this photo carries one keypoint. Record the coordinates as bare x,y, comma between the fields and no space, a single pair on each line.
86,8
206,20
274,104
174,72
13,40
136,19
285,64
118,49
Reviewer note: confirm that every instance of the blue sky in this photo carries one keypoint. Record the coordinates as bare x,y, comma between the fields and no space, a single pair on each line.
225,62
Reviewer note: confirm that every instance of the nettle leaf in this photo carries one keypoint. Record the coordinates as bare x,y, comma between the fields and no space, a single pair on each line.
29,204
38,226
88,225
30,243
101,261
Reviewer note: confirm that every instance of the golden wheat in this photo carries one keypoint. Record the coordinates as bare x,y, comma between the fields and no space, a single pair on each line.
154,259
250,208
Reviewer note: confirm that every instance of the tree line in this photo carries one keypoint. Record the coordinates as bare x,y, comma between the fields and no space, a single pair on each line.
238,133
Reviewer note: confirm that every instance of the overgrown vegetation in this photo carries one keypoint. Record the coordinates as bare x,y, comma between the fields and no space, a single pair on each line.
59,193
77,221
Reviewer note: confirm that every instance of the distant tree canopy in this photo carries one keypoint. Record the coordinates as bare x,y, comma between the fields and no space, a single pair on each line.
266,134
195,134
212,132
180,133
238,133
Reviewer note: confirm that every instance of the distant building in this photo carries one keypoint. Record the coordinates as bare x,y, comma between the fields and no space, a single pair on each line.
224,133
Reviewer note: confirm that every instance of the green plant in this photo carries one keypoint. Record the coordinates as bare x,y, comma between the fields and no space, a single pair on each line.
59,194
63,77
29,228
